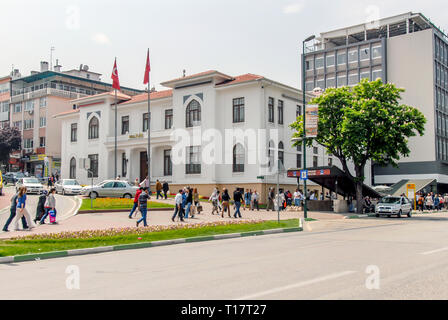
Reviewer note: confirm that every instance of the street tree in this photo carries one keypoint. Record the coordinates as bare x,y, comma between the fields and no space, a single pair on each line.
10,140
362,123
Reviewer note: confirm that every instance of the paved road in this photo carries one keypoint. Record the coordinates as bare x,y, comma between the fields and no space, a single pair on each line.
410,255
64,204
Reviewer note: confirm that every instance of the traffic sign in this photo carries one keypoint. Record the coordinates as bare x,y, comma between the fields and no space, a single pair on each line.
304,174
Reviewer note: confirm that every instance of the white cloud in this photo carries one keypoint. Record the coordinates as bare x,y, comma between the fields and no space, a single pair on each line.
293,8
100,38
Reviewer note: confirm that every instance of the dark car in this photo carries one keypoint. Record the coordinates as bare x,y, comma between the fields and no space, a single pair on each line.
12,177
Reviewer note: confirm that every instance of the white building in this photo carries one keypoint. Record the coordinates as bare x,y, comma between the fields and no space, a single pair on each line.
208,104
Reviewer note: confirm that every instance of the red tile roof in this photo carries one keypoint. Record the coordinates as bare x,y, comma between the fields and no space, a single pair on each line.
242,78
201,74
153,96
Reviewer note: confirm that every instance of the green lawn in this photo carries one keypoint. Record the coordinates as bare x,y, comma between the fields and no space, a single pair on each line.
118,203
28,246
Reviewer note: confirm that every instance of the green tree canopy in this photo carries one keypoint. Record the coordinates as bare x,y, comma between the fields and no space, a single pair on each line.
366,122
10,140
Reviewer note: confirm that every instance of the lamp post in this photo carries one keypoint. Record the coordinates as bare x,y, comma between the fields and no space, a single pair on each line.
305,191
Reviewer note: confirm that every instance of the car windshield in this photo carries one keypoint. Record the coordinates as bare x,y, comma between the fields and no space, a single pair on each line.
30,180
391,200
19,175
70,183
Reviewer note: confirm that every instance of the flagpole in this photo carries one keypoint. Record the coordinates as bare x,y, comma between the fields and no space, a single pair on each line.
116,125
149,130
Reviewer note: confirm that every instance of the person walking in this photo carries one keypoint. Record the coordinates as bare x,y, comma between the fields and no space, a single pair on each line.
22,211
40,209
225,203
429,202
420,202
188,202
50,205
237,198
165,188
297,198
178,208
135,206
214,198
247,199
144,183
13,212
143,206
271,196
159,188
255,198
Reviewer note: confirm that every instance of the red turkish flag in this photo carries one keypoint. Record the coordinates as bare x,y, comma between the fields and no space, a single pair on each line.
114,77
147,70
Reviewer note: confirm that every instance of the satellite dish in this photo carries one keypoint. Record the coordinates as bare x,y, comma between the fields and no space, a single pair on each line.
86,68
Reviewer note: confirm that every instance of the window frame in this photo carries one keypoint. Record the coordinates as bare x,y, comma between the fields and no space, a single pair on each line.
94,130
124,125
280,111
271,106
193,116
237,158
238,110
73,132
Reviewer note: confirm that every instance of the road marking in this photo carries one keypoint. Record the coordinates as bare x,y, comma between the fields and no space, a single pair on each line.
434,251
297,285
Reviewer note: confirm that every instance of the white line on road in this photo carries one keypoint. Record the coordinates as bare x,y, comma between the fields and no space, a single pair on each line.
297,285
435,251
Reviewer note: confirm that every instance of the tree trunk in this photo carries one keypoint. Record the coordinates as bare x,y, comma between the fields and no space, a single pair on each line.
359,197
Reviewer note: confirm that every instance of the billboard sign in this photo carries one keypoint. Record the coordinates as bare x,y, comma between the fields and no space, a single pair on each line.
312,118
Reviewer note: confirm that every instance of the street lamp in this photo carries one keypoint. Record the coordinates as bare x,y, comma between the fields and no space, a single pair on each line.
305,191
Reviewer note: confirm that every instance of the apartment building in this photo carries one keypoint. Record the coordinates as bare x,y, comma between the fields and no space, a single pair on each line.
409,51
4,101
35,99
211,110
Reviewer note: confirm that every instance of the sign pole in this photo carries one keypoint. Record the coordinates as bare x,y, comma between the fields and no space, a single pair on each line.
305,191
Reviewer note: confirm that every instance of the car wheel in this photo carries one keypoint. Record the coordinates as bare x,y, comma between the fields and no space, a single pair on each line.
127,196
377,215
93,195
388,215
410,214
399,214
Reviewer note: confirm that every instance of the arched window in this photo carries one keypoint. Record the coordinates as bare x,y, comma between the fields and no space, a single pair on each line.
94,127
281,154
73,168
193,114
271,153
238,158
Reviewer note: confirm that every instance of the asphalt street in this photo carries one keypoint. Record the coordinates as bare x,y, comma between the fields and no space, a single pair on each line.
65,206
366,259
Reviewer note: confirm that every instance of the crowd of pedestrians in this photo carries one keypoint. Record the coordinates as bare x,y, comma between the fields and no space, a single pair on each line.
46,207
432,201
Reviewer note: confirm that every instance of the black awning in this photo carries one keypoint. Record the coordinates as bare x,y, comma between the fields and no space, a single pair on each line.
335,180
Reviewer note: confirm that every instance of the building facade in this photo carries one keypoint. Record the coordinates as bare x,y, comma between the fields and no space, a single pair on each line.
34,100
408,51
4,101
207,130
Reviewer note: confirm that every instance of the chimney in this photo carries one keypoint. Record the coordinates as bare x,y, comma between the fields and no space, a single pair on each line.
43,66
57,67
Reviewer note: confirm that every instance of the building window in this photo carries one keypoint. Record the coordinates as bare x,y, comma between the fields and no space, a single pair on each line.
93,173
320,83
353,56
29,105
281,154
365,75
331,83
238,110
271,153
94,128
238,158
315,150
353,79
342,58
193,165
43,102
124,124
28,124
364,54
124,165
42,122
73,168
17,107
271,109
330,61
342,81
18,124
145,122
280,112
168,119
74,132
193,114
5,106
299,161
167,164
309,65
330,162
298,111
42,142
309,86
377,74
376,52
319,63
28,143
315,161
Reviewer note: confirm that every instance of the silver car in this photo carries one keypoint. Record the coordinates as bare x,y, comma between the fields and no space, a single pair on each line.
394,206
111,189
68,186
32,185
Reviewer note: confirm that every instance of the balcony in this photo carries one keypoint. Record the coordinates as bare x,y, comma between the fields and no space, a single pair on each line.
159,136
46,92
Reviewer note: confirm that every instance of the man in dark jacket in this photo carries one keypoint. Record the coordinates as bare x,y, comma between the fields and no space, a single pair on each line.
40,209
165,189
237,197
13,214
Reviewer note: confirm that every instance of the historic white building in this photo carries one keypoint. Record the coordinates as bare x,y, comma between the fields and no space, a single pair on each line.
192,142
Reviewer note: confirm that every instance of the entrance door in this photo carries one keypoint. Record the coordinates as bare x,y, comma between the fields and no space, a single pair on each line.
143,165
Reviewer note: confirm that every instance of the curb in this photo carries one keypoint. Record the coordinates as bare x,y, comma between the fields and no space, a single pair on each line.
120,210
133,246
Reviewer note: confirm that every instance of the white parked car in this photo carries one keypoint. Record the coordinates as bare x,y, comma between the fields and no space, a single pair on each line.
68,186
394,206
32,185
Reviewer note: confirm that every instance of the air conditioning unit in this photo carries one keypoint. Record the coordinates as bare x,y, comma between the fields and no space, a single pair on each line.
31,112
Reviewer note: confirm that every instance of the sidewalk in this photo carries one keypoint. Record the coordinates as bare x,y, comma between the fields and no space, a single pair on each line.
101,221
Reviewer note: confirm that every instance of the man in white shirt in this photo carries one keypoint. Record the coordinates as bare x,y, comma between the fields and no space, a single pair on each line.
178,209
145,183
297,198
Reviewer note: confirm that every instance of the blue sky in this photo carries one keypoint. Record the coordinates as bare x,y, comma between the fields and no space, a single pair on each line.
232,36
